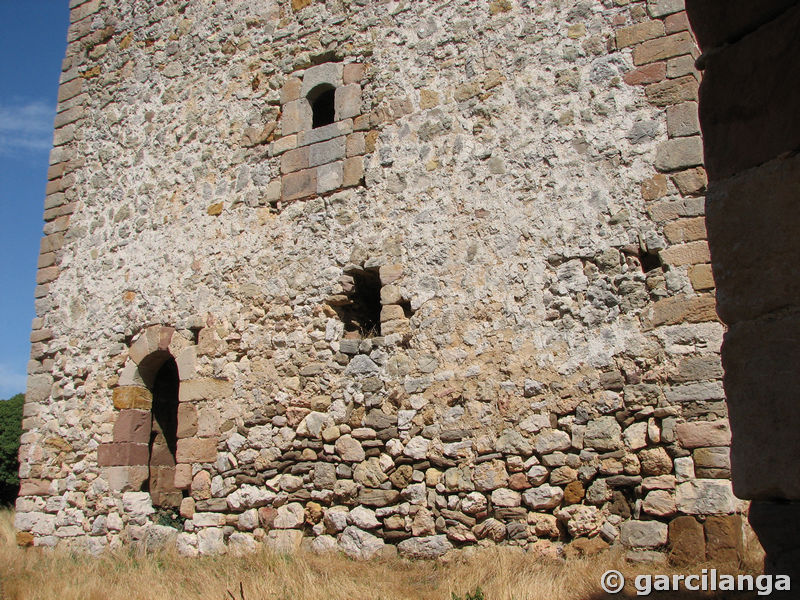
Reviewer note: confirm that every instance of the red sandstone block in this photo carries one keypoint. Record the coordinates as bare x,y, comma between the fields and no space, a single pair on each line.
672,91
651,73
299,184
187,420
122,454
197,450
677,22
663,48
353,171
641,32
294,160
46,275
132,426
34,487
353,73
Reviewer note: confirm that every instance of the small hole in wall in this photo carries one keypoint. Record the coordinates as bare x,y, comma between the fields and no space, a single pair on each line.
649,261
359,307
321,99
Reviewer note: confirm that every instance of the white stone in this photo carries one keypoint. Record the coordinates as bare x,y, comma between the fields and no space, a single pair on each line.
705,497
417,448
358,544
543,497
290,516
363,518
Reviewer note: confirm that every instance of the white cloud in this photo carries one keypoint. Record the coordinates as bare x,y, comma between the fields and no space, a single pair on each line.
10,382
26,127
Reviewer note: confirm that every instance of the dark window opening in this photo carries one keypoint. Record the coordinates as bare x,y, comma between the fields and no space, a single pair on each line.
164,437
359,307
649,261
321,99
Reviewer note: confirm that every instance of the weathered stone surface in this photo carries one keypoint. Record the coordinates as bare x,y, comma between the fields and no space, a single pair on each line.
705,497
724,540
683,120
551,440
603,434
424,548
703,433
490,475
643,534
543,497
358,544
679,153
687,541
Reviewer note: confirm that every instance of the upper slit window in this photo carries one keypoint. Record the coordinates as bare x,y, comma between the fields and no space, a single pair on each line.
323,109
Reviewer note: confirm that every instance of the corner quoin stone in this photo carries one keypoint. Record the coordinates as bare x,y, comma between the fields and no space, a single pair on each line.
679,153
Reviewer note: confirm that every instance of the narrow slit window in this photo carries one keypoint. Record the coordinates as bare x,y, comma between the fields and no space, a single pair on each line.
323,110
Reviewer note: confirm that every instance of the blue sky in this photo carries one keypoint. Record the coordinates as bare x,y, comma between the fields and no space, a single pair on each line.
33,36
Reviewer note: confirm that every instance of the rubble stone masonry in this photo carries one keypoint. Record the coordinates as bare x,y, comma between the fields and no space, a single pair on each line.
474,307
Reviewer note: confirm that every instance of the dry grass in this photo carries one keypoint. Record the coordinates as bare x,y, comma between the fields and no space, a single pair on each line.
501,575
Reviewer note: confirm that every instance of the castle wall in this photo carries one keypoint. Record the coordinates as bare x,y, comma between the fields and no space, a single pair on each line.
477,308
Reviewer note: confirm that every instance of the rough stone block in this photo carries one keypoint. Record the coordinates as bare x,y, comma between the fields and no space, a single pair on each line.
663,48
682,120
291,90
329,177
680,309
677,22
650,73
691,253
705,497
347,101
685,230
643,534
654,188
356,144
183,476
132,426
724,540
47,275
690,182
353,171
680,66
701,277
672,91
296,116
662,8
330,73
326,132
122,454
34,487
647,30
294,160
192,390
326,152
687,541
187,420
131,396
698,434
712,458
353,73
679,153
196,450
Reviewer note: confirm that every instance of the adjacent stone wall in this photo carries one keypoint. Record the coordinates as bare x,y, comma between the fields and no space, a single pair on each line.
752,133
522,181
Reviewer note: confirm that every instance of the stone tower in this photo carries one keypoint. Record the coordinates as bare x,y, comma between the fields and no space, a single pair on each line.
373,274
